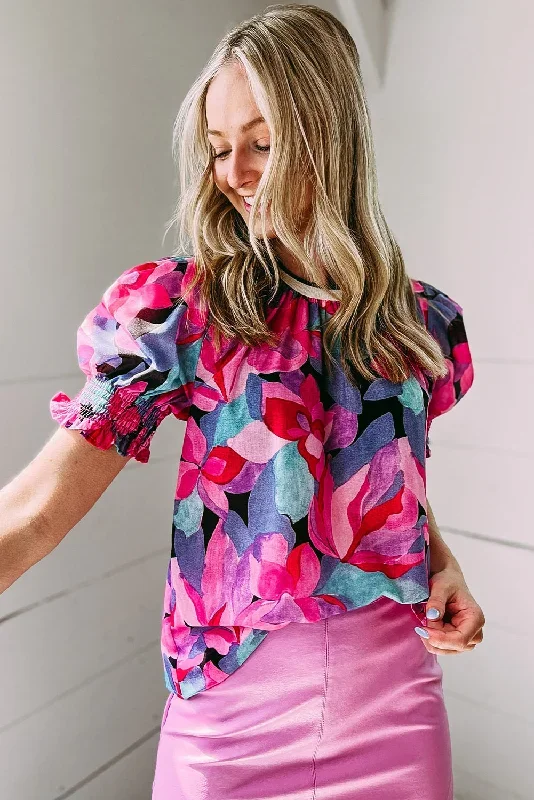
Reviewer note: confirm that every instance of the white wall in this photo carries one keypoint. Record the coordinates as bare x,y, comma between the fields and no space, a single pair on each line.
89,94
453,129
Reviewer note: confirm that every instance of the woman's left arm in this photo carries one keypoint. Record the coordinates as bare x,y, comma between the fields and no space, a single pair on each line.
459,624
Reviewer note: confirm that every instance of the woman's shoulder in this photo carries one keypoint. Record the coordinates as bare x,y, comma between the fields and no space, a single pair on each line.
434,300
444,320
151,285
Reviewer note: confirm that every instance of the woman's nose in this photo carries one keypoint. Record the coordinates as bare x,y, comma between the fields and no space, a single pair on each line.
239,171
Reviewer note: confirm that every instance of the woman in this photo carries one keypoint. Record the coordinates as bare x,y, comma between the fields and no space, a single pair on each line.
308,367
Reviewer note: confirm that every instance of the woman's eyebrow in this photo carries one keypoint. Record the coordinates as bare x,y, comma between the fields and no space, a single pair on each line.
243,128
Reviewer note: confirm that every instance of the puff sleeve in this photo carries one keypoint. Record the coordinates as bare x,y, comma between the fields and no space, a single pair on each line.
138,349
444,319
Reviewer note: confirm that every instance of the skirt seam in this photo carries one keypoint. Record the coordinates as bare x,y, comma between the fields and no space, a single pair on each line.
321,724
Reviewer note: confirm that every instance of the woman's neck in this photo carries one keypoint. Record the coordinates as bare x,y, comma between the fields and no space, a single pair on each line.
291,263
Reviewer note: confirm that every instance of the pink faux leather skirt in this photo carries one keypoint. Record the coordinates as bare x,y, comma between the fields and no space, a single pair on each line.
347,708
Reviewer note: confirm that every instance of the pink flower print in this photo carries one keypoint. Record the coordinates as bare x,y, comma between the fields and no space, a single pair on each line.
460,372
297,573
228,367
354,522
190,615
284,583
299,418
222,465
139,288
290,320
225,591
207,476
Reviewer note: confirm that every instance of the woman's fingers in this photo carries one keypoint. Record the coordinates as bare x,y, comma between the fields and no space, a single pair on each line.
477,638
448,639
442,652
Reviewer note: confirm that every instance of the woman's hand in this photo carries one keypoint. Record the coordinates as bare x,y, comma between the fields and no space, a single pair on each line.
459,625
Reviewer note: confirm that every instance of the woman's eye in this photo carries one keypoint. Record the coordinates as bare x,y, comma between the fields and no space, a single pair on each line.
264,149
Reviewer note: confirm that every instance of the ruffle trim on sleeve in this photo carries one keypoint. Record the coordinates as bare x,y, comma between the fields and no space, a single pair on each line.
109,415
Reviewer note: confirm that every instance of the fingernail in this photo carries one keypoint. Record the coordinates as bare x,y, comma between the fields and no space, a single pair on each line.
422,632
432,613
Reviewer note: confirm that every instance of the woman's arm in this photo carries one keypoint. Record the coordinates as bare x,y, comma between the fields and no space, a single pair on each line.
49,497
458,626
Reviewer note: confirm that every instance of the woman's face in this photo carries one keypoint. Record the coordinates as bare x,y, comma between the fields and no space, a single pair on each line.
240,139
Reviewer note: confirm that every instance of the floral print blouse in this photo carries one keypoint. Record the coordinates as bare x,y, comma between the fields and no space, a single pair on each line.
299,496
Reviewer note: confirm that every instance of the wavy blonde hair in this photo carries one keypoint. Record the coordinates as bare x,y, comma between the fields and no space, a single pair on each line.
304,73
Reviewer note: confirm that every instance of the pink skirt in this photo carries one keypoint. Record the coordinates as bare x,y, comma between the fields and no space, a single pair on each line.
348,708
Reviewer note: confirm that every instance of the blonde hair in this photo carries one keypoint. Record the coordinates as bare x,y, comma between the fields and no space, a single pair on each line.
303,70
